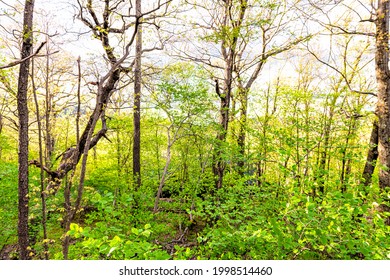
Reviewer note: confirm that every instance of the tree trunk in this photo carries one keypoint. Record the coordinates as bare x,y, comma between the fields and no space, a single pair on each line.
72,155
137,103
243,95
1,130
346,158
328,123
42,172
49,106
163,177
383,81
228,50
372,155
219,164
23,131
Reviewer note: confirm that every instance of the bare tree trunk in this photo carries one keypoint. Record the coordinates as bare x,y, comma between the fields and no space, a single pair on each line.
137,103
23,131
372,155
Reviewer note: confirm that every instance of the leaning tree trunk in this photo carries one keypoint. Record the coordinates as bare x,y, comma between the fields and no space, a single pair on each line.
23,131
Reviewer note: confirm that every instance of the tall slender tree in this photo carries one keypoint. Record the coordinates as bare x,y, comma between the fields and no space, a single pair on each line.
137,101
22,105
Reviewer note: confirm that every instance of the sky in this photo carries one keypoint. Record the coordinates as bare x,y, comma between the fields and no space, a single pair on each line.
59,17
56,17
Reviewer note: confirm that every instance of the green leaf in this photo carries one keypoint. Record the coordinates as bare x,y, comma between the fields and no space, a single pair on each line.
147,226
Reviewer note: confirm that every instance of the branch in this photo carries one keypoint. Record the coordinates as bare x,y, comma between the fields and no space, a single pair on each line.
265,55
52,173
217,90
17,62
342,75
349,32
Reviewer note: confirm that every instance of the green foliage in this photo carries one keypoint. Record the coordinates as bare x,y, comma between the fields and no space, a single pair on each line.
95,245
8,201
334,227
183,94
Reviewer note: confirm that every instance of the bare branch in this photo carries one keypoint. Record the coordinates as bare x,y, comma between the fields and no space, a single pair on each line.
17,62
342,75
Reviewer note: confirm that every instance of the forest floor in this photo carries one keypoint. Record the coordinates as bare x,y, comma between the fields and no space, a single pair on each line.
278,222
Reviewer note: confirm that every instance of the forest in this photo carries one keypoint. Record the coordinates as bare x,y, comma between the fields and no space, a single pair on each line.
194,130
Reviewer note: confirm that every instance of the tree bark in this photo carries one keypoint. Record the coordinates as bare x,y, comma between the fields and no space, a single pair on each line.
22,105
372,155
383,82
219,164
241,139
49,106
137,103
228,50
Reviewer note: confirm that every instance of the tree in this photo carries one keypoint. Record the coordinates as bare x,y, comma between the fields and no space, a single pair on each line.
349,61
372,156
383,80
378,16
137,102
108,21
238,38
103,28
182,96
27,45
